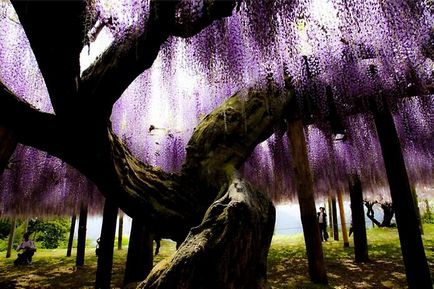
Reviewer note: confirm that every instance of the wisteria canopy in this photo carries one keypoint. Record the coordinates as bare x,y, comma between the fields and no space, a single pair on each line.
339,54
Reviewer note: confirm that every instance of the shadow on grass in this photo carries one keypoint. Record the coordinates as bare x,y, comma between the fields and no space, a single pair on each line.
287,264
51,269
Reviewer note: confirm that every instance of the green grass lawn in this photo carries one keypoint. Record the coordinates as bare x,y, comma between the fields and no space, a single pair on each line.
287,265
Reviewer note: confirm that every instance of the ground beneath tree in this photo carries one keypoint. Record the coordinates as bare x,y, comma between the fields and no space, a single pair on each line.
287,265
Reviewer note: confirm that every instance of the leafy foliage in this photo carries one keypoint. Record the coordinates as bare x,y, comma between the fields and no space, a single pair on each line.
5,228
50,233
427,216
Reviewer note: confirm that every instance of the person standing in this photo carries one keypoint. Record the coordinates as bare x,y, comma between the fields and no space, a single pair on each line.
322,221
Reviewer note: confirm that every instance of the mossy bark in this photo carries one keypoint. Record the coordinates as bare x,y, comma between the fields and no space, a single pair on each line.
227,250
168,204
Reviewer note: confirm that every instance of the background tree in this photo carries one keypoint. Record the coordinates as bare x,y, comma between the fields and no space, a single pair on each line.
388,212
50,233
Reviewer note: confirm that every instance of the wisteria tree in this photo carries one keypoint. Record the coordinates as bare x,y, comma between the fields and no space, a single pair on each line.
229,224
348,60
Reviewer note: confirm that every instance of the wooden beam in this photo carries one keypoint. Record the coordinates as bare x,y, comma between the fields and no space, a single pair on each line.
120,229
342,214
329,204
71,235
304,185
358,215
107,241
335,218
413,253
81,239
140,253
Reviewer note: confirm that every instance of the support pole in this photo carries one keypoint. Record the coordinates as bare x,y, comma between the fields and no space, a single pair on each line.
329,203
343,224
358,214
107,241
81,238
304,185
413,253
11,237
120,229
335,218
71,235
140,253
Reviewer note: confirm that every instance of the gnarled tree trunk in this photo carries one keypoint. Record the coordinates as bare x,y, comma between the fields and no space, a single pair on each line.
227,250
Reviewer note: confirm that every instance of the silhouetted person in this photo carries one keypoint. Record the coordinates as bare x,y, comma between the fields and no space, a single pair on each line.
28,247
322,221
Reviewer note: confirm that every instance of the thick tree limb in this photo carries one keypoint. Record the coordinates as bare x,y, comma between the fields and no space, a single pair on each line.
105,81
227,250
28,125
216,150
227,136
55,30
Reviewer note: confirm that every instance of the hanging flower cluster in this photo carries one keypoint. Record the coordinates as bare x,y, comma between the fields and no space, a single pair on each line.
339,53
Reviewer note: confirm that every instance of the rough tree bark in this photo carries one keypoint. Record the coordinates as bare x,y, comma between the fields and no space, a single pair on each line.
227,250
169,204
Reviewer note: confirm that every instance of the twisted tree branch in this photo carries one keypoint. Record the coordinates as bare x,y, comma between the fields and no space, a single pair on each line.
105,81
28,125
55,30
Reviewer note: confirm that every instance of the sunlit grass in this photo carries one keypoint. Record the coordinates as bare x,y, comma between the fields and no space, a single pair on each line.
287,264
52,269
